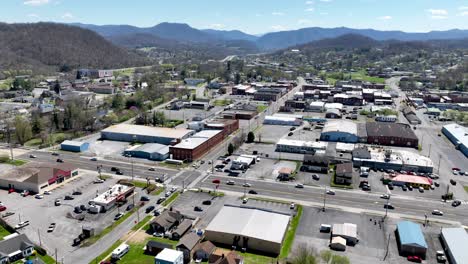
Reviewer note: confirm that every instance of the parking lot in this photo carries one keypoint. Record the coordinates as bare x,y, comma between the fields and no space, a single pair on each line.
374,236
67,226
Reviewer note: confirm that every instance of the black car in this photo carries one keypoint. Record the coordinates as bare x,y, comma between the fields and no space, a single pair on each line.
292,129
77,210
453,182
130,207
456,203
389,206
77,193
83,207
390,186
149,209
55,154
119,173
253,192
290,134
160,200
198,209
144,199
68,197
60,160
114,169
206,202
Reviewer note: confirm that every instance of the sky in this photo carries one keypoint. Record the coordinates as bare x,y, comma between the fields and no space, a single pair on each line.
250,16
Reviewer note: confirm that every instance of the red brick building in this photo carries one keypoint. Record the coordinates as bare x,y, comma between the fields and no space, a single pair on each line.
228,126
193,148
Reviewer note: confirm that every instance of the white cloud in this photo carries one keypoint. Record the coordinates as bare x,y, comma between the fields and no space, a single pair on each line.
309,2
304,21
67,15
463,8
278,13
36,16
36,2
324,13
385,17
438,13
311,9
326,1
278,27
464,13
217,26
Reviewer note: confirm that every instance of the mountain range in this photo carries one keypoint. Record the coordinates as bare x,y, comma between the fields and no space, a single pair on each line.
267,42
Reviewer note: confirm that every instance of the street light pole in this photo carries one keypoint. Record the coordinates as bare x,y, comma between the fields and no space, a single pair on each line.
386,207
324,198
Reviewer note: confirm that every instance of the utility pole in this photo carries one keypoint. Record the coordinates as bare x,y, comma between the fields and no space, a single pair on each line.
324,198
438,166
39,235
430,146
9,140
56,257
386,207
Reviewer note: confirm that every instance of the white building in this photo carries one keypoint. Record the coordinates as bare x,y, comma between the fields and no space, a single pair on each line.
169,256
337,106
282,121
317,106
299,146
116,193
347,231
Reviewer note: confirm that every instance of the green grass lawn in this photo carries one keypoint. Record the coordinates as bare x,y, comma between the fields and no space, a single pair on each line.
136,255
54,138
222,102
3,232
466,188
170,199
47,259
250,258
362,75
16,162
261,108
142,222
158,191
106,253
291,233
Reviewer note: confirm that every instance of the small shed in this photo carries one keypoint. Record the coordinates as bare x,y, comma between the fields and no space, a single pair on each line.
154,247
74,146
338,243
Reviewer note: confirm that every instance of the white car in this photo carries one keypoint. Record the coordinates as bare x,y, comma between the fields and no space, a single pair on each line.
48,192
230,182
292,206
437,212
299,186
21,224
98,180
385,196
331,192
246,184
157,234
39,196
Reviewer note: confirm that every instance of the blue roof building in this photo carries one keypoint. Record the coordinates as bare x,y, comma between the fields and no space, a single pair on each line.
74,146
411,240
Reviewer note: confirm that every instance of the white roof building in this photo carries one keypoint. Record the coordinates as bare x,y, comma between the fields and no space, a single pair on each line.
347,231
265,230
455,240
333,106
341,126
169,256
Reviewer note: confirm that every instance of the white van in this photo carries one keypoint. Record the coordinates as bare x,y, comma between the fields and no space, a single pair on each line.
119,252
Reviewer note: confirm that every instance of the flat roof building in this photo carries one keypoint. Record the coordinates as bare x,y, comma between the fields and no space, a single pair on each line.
195,147
170,256
299,146
458,135
116,193
454,241
391,134
347,231
257,229
74,146
411,240
340,131
145,134
151,151
282,121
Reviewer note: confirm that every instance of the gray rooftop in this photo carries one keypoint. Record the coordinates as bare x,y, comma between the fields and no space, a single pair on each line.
458,132
457,242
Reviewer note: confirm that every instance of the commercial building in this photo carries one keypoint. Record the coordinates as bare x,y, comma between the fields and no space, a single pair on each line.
243,162
248,228
333,113
316,106
228,126
340,131
454,241
282,121
410,239
35,177
15,247
170,256
151,151
458,135
346,231
145,134
299,146
344,173
388,159
337,106
110,198
239,114
391,134
410,180
195,147
74,146
389,118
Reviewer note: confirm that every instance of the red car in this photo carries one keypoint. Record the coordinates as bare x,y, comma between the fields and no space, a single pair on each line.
456,169
2,208
414,259
216,181
11,190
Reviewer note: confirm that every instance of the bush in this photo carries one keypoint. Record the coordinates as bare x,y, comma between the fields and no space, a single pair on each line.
41,251
4,159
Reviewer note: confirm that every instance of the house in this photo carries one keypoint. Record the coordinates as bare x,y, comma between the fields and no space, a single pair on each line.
14,248
166,221
186,244
155,247
344,173
221,256
182,228
203,251
284,174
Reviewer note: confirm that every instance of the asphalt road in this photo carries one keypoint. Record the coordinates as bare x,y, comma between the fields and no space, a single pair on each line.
355,199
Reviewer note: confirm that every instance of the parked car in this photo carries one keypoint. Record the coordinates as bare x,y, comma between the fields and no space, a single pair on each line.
440,256
414,259
93,159
55,154
22,224
119,172
245,200
292,206
158,234
48,192
57,202
167,194
404,188
160,200
149,209
114,169
51,227
77,210
98,180
206,202
436,184
129,207
421,189
152,169
39,196
24,193
299,186
198,209
173,189
68,197
77,193
216,181
316,177
453,182
83,207
2,208
144,199
32,156
290,134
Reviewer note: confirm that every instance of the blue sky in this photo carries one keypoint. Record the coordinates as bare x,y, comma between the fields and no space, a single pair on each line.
251,16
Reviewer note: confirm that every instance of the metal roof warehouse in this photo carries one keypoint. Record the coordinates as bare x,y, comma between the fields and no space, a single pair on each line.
455,241
145,134
254,229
